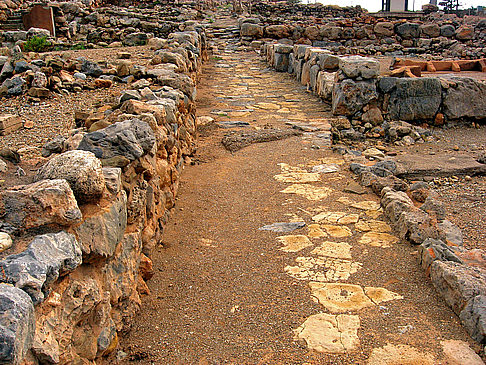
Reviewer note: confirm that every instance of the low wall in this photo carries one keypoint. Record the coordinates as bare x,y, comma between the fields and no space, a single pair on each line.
355,89
93,215
362,34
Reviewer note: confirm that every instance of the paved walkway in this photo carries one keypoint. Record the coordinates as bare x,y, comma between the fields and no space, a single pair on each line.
328,284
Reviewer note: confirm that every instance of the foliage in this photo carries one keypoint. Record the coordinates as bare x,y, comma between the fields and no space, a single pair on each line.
450,5
37,44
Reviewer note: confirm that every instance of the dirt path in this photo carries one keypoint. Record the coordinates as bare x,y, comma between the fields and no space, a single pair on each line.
335,291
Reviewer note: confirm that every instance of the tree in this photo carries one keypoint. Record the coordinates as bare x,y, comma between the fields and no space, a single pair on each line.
450,5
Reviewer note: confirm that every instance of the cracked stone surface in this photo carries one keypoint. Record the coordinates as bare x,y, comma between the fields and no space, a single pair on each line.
298,177
315,231
294,243
308,191
322,269
329,333
339,298
338,250
336,217
373,225
378,239
337,231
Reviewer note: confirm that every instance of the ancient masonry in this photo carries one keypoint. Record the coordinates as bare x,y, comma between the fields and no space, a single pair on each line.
77,241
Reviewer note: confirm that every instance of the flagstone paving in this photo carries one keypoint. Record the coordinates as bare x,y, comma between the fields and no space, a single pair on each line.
235,284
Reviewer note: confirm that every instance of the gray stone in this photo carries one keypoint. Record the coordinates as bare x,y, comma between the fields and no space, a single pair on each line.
432,249
384,168
135,39
90,68
43,203
53,146
281,62
100,233
435,208
465,99
431,30
457,283
129,95
81,169
17,324
414,99
47,258
349,97
385,29
7,70
113,179
473,316
21,66
130,138
416,226
408,30
14,85
453,233
283,227
79,75
447,30
357,66
39,80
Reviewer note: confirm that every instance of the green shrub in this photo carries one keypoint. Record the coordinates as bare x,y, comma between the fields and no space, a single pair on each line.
37,44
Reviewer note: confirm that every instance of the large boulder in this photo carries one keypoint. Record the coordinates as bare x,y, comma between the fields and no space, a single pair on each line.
349,97
46,202
385,29
431,30
277,31
131,139
17,324
465,98
81,169
47,258
411,99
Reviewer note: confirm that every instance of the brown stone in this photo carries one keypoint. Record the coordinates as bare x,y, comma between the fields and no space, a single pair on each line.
465,32
9,123
100,83
139,107
38,92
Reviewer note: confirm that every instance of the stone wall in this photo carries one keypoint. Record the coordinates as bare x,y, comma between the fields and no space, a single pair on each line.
372,104
433,35
94,214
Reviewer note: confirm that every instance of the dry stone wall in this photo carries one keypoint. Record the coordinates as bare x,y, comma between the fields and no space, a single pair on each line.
371,105
434,35
95,212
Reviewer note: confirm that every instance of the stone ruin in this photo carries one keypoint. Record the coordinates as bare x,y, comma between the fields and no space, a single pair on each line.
85,228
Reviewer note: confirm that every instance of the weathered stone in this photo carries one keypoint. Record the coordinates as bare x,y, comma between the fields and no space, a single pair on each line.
100,233
9,123
473,316
135,39
39,80
447,30
349,97
130,139
17,324
408,30
357,66
466,99
138,107
283,227
431,30
416,226
281,62
414,99
453,234
47,257
385,29
91,68
294,243
129,95
431,250
457,283
46,202
81,169
399,354
5,241
251,30
465,32
435,208
113,179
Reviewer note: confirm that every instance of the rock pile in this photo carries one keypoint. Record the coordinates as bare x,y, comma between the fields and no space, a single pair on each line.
95,212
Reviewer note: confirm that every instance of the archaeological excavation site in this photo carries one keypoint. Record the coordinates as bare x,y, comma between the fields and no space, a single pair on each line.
242,182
